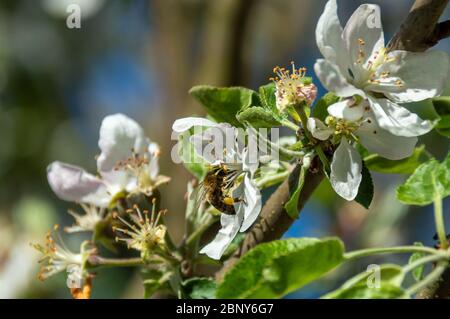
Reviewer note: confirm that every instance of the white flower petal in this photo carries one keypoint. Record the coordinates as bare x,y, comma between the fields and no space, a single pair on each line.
210,144
119,180
230,227
251,205
329,37
346,170
153,167
332,79
74,184
397,119
219,143
363,34
347,110
184,124
119,137
383,143
423,75
318,129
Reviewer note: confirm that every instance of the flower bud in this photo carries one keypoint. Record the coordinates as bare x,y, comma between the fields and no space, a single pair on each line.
293,88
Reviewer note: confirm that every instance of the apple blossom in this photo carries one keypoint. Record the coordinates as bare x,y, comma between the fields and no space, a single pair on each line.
351,122
128,163
356,62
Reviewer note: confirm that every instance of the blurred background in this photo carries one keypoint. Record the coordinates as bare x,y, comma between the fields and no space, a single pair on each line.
140,58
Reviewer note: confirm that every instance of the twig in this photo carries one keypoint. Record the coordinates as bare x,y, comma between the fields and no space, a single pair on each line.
420,30
432,278
95,261
439,290
389,250
441,32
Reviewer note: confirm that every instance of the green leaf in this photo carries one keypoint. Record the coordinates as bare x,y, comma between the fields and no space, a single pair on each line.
258,117
274,269
365,191
361,286
388,273
442,107
291,206
269,101
431,180
199,288
153,280
150,287
193,162
443,126
319,111
417,272
223,104
267,96
408,165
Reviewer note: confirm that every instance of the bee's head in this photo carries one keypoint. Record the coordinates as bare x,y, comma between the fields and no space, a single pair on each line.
223,173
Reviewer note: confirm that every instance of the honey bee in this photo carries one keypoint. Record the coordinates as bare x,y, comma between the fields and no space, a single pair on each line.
216,186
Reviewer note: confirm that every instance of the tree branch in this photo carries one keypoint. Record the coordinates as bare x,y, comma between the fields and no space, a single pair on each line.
440,290
420,31
441,32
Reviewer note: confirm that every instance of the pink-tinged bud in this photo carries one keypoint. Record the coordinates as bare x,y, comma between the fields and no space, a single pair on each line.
308,92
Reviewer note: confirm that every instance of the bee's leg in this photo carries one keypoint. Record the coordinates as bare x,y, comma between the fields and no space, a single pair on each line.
231,201
239,200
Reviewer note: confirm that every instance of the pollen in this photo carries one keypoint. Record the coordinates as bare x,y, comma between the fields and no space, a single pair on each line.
361,51
139,166
228,200
134,162
343,127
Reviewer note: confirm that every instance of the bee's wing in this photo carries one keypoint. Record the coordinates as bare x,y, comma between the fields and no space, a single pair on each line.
199,195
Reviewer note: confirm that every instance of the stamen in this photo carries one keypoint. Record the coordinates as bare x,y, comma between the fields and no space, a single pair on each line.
56,257
291,87
117,216
146,234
